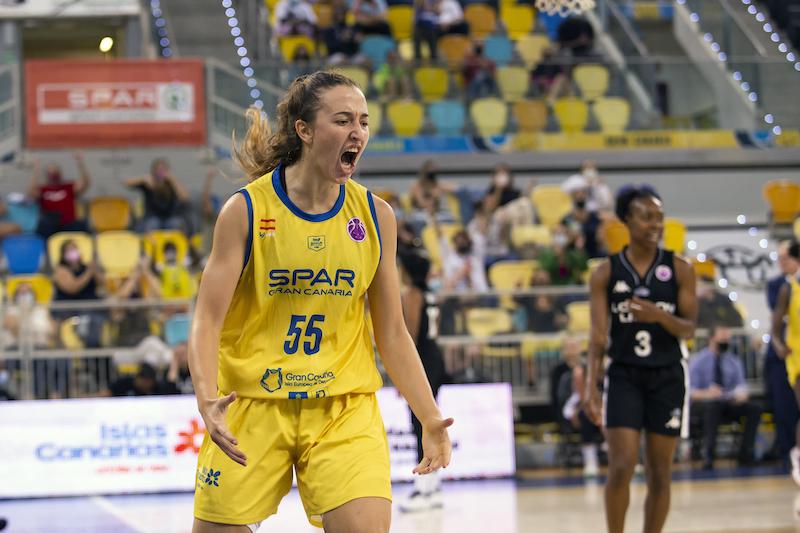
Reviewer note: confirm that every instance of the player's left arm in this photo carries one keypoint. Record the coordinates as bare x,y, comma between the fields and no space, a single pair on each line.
397,350
683,323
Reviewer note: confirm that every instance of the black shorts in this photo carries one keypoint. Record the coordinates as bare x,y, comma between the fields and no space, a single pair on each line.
649,398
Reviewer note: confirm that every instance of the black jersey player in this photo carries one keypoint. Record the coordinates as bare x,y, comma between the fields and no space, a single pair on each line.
643,300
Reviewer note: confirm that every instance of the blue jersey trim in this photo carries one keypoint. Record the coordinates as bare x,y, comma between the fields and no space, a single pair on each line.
371,203
276,183
249,247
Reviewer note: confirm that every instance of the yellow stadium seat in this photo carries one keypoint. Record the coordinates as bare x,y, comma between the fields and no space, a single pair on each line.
674,235
535,234
578,317
705,269
324,14
401,21
489,115
783,197
613,114
513,83
118,251
572,114
488,321
482,20
375,110
615,234
177,283
405,49
592,80
552,204
454,48
289,44
42,286
109,213
82,240
531,49
796,228
155,241
271,4
531,115
510,275
432,83
407,117
431,241
358,75
518,20
453,206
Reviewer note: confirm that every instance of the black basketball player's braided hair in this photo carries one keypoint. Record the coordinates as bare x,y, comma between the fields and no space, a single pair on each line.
627,194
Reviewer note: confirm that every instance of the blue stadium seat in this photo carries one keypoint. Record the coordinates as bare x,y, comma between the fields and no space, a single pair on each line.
176,329
24,253
499,49
26,215
448,117
376,48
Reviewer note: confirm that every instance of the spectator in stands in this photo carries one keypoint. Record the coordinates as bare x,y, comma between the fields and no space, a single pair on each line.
295,17
178,380
583,223
392,80
426,27
341,40
715,307
462,262
427,192
571,387
7,227
779,393
144,383
491,236
566,261
370,17
479,71
719,393
549,78
175,279
541,311
451,18
502,189
57,197
576,35
589,185
300,64
165,198
38,324
6,392
76,281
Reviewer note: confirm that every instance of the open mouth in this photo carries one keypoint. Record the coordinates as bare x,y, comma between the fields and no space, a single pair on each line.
349,156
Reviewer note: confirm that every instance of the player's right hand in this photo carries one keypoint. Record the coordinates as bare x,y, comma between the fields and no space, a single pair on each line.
213,414
593,406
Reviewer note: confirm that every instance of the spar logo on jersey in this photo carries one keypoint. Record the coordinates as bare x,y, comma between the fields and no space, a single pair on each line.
310,282
272,379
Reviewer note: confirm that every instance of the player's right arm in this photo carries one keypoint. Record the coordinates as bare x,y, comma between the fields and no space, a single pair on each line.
778,315
598,338
217,285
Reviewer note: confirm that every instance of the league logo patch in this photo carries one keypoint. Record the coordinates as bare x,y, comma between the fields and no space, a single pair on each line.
272,379
663,273
316,242
356,229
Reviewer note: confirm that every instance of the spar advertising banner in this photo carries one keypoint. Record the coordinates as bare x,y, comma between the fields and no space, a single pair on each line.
150,444
114,103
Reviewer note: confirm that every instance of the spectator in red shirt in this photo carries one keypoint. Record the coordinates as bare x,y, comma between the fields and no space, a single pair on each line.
57,197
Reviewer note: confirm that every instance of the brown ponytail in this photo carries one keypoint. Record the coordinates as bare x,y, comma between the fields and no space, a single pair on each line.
262,149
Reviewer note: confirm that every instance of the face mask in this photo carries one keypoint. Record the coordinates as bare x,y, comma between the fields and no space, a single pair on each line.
560,239
502,179
72,256
25,299
590,173
170,257
464,249
722,347
431,176
580,204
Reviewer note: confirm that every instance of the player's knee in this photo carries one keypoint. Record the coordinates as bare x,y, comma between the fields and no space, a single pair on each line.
621,471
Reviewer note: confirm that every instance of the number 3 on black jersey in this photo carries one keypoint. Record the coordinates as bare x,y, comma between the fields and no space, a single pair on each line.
312,332
644,344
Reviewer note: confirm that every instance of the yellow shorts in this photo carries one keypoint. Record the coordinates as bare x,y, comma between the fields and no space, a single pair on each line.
793,367
337,445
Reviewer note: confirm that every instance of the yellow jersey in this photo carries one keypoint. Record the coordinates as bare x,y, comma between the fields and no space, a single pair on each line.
296,326
793,319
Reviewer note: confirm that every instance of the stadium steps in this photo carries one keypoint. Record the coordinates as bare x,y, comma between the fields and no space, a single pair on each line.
200,29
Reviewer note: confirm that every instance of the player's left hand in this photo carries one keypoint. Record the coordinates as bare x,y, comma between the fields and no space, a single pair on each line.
436,446
644,310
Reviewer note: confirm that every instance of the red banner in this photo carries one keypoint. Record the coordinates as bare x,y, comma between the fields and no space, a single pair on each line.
114,103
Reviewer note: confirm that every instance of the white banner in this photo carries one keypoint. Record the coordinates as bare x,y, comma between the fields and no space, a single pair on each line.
135,445
67,8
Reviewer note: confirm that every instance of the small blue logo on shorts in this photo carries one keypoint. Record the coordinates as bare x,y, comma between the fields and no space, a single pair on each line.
298,396
272,379
209,476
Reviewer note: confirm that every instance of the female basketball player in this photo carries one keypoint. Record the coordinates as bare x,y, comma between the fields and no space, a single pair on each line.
648,296
787,311
280,354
